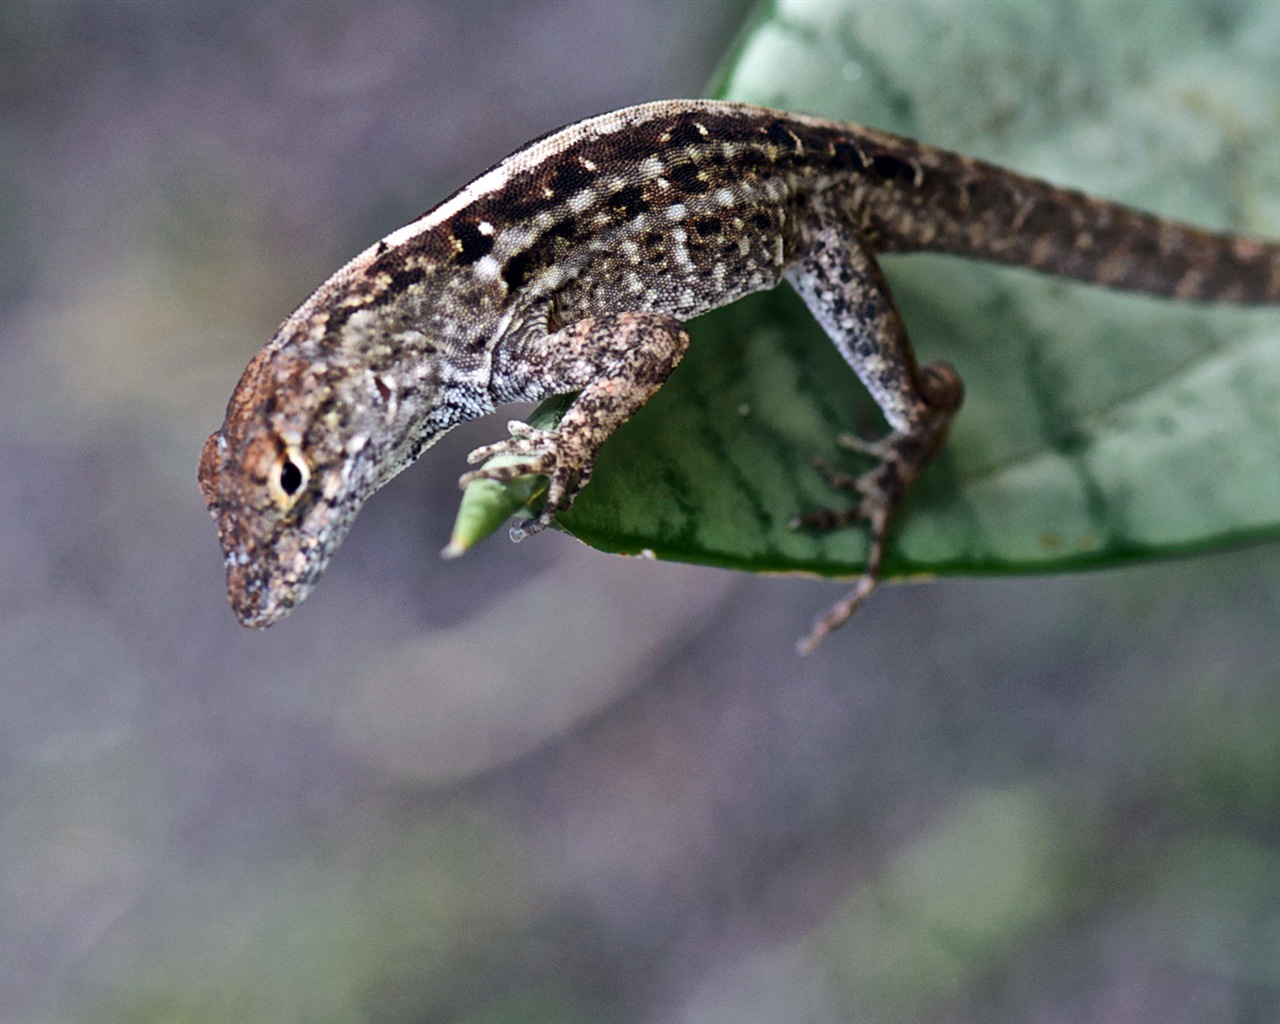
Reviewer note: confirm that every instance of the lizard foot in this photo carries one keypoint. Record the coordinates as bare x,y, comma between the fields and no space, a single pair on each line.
900,457
567,467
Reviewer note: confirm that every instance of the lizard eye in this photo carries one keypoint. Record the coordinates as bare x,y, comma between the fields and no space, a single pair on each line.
288,478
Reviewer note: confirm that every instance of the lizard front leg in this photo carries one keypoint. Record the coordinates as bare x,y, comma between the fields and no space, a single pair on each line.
840,282
615,362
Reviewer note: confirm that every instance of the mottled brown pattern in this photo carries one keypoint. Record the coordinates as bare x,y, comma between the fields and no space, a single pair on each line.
571,266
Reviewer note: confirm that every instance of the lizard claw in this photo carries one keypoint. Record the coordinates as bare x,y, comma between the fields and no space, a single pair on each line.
878,449
533,452
520,530
864,484
524,440
900,455
878,513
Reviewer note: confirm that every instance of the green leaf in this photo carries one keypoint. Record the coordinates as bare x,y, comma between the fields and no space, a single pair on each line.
1097,427
487,504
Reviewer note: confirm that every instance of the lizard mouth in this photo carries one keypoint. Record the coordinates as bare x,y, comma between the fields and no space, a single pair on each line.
253,601
266,581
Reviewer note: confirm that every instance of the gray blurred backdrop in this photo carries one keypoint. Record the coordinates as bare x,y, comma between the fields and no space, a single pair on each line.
539,783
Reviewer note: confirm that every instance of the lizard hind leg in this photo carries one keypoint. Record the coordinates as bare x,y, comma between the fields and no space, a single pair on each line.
840,282
900,457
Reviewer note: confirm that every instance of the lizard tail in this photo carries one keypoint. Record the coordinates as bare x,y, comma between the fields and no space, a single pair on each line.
983,212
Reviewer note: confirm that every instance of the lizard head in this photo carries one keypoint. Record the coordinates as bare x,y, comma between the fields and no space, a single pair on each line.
305,441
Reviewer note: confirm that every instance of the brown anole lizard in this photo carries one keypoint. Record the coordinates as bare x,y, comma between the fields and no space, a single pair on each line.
571,267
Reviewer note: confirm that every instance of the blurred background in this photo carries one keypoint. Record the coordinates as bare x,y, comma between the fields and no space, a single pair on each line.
538,783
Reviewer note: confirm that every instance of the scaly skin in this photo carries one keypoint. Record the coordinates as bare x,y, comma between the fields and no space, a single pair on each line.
572,265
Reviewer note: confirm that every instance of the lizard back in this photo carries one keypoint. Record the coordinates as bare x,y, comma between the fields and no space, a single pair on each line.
682,206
